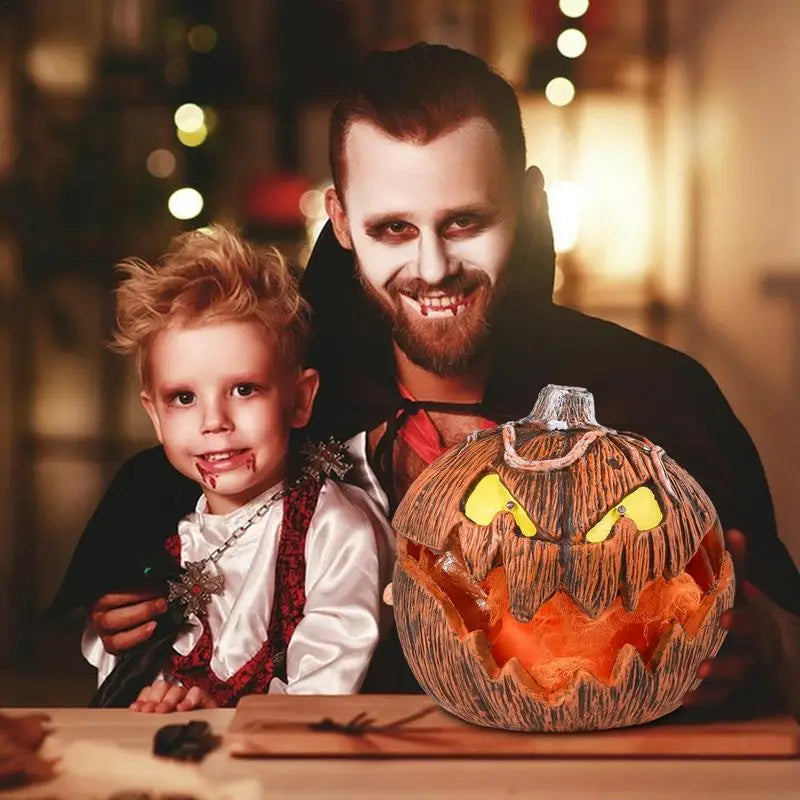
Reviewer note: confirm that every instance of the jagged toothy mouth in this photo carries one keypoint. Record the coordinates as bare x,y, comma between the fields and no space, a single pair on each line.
561,639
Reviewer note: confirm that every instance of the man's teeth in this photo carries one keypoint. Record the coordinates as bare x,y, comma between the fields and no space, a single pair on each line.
441,304
440,301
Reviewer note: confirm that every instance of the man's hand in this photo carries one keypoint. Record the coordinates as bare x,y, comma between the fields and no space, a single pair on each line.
538,232
125,620
735,662
778,633
164,697
535,200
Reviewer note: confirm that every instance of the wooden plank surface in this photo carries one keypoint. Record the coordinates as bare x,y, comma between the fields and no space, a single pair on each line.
414,726
422,777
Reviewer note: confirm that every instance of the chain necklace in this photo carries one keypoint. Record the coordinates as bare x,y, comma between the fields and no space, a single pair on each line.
196,583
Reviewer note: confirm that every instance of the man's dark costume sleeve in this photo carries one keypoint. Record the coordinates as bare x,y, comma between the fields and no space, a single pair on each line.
140,509
122,549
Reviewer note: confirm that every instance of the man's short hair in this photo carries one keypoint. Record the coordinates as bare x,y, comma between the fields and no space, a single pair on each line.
424,91
210,275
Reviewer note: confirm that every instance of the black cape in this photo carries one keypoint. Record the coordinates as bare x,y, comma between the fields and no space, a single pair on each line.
638,385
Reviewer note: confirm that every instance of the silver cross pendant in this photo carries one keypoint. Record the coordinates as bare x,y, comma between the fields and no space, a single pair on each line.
195,587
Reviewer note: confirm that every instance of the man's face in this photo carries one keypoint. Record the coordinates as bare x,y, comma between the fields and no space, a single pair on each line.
222,404
432,226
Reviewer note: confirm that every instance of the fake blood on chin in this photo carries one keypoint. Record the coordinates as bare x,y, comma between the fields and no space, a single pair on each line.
210,469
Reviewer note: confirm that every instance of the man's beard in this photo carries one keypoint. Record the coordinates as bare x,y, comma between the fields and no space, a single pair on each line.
447,345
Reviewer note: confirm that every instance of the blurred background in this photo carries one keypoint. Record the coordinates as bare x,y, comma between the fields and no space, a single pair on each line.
667,131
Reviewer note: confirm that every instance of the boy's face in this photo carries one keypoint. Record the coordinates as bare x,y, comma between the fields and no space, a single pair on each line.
223,404
432,226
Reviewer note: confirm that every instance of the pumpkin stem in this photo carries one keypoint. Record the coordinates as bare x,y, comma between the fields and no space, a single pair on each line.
563,407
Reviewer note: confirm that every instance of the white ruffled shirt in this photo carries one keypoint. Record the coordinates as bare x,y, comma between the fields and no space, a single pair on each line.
349,553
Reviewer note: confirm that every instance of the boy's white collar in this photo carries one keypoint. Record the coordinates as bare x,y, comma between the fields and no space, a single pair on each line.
238,515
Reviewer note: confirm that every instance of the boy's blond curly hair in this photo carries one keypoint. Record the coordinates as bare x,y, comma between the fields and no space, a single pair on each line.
209,275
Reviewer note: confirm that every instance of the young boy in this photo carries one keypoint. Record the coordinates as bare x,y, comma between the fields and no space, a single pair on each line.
282,577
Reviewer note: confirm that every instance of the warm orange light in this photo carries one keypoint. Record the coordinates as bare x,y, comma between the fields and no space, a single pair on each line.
561,639
564,202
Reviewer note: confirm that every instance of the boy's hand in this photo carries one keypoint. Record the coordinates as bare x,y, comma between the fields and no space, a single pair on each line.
125,620
164,697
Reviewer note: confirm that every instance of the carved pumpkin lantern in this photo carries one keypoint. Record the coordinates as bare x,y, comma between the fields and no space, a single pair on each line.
557,575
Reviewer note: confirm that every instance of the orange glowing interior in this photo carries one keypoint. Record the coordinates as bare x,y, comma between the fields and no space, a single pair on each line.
561,639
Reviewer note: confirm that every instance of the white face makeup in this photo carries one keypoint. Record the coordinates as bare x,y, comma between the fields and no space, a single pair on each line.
432,226
222,404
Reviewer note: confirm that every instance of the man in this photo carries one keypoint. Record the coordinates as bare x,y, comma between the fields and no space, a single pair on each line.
433,317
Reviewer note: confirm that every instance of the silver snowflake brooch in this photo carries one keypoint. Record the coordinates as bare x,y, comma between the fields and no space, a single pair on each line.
195,587
325,459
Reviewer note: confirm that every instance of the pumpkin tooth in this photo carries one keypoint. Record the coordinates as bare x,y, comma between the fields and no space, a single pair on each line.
482,552
714,545
531,579
513,669
478,645
674,638
715,603
627,655
584,680
629,595
634,568
604,564
700,568
702,636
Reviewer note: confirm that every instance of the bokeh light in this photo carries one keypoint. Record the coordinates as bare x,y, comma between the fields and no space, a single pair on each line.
560,91
573,8
59,67
211,118
185,203
202,38
312,203
161,163
571,43
193,138
189,118
312,206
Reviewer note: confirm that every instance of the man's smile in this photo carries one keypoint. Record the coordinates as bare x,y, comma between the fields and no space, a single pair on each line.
438,304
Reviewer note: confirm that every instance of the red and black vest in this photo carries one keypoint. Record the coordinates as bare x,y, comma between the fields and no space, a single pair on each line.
288,604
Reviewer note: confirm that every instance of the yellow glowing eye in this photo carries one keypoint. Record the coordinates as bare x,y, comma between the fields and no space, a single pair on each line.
489,498
640,506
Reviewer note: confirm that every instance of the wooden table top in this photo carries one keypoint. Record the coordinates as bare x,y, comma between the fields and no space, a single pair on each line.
107,750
